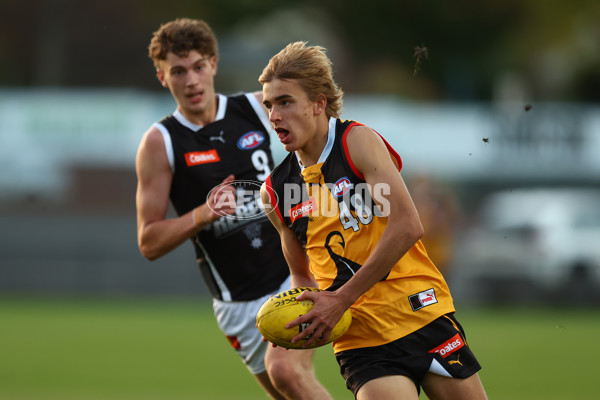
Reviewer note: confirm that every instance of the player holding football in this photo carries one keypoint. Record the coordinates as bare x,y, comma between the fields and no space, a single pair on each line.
209,141
354,230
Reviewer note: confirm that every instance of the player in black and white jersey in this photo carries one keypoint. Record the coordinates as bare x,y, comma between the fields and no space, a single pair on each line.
211,149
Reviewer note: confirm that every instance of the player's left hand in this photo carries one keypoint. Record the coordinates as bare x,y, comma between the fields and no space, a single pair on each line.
272,344
326,312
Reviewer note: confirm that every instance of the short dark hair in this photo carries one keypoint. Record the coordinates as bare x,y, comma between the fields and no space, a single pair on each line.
180,37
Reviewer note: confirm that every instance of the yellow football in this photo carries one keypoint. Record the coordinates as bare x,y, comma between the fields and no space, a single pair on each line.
282,308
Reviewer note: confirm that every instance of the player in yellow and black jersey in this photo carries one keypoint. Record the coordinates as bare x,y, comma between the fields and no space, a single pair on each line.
348,224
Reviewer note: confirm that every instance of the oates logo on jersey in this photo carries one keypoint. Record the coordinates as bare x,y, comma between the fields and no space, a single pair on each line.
201,157
250,140
303,209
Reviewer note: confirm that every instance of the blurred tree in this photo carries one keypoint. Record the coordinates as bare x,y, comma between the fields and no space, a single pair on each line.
549,45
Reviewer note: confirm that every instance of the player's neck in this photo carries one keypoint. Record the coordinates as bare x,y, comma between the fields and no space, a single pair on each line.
311,152
204,116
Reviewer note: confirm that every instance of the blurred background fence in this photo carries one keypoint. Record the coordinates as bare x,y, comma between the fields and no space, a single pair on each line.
476,97
68,181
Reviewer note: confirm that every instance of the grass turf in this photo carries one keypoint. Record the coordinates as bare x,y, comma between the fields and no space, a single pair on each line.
91,349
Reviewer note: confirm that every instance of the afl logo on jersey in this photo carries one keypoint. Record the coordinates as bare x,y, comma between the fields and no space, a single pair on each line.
250,140
341,187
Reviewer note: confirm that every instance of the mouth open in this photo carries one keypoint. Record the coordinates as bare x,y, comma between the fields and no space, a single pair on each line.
195,97
282,134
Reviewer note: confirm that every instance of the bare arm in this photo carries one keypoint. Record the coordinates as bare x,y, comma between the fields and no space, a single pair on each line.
158,235
294,253
404,227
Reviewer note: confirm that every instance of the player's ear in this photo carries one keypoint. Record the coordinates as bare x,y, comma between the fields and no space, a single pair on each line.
161,77
213,64
320,104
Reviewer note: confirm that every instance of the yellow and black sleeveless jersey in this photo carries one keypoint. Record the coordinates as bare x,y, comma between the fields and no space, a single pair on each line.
335,216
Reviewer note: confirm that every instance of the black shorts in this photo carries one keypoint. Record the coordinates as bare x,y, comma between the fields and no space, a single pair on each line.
443,340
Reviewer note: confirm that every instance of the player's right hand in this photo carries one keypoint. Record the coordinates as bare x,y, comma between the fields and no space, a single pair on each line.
221,200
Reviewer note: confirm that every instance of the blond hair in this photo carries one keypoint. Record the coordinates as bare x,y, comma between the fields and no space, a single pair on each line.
180,37
311,68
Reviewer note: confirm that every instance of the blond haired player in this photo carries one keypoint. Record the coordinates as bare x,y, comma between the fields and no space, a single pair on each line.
347,222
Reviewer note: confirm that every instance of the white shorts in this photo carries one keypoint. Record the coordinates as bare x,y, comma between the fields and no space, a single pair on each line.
237,320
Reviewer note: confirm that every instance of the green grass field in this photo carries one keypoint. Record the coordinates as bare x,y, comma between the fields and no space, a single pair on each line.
86,349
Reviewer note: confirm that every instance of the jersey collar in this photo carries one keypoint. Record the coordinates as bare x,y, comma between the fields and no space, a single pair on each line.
222,106
328,146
